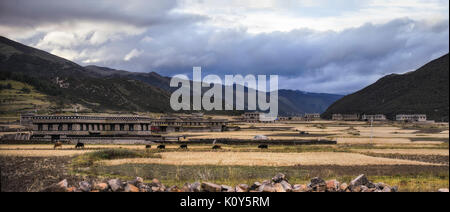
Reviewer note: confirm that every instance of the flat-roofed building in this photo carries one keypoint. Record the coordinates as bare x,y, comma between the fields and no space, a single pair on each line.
65,127
255,117
411,117
118,127
312,116
188,124
345,117
377,117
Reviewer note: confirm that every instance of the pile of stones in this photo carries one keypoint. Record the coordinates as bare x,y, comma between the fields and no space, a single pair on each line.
278,183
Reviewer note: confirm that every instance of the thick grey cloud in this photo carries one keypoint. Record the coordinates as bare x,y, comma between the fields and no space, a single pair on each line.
157,36
140,13
318,61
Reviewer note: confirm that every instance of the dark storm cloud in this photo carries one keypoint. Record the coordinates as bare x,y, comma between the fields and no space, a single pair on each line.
140,13
152,36
353,57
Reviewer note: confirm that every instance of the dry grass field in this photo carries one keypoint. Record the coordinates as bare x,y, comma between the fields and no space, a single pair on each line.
264,159
415,158
443,152
42,153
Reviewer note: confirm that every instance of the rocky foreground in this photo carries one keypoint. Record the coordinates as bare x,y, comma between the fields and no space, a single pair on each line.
279,183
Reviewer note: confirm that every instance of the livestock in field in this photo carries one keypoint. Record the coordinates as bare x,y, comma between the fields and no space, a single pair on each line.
79,145
263,146
57,144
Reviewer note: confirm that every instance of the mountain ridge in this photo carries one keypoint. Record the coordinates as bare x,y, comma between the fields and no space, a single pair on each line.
106,89
423,91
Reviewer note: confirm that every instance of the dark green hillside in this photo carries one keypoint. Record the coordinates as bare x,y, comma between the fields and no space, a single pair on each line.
424,91
68,83
104,89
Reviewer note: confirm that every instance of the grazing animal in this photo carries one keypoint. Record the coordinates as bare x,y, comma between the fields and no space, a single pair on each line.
148,146
263,146
58,144
303,133
183,146
162,146
79,145
216,147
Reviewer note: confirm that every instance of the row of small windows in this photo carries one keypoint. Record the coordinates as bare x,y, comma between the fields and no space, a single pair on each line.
188,123
93,127
89,118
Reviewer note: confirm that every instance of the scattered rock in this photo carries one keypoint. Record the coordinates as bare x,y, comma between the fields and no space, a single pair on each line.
266,188
72,189
343,187
174,189
131,188
85,186
332,185
286,186
278,183
301,188
144,188
115,184
225,188
279,177
100,186
364,189
356,189
318,185
196,187
255,186
394,189
63,184
386,189
380,186
137,181
242,188
186,188
211,187
279,188
155,183
360,180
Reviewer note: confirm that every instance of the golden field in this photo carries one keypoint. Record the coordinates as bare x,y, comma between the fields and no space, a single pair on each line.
442,152
42,153
264,159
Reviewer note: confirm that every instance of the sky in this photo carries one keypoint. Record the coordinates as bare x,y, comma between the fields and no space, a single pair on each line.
326,46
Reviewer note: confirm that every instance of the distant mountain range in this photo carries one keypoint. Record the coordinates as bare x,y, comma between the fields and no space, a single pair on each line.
424,91
103,89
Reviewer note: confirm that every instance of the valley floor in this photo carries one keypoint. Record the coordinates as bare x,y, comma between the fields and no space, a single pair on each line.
414,158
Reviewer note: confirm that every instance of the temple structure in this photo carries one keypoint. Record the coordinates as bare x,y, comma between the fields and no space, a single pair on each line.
118,127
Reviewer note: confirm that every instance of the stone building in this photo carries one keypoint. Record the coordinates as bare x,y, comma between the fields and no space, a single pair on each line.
251,117
188,124
77,127
117,127
411,117
312,116
254,117
377,117
345,117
